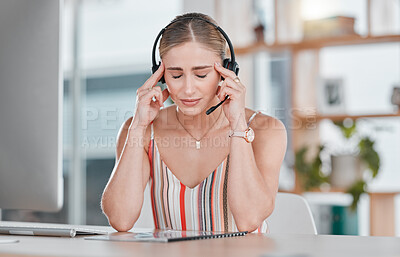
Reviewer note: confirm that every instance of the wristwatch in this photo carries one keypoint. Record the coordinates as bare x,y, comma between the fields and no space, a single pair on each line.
248,134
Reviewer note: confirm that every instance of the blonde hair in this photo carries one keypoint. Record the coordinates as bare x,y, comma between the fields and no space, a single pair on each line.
190,28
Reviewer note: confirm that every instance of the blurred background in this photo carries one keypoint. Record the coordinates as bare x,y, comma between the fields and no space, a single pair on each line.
329,69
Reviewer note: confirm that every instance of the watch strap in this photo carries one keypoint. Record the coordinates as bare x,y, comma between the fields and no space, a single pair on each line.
238,134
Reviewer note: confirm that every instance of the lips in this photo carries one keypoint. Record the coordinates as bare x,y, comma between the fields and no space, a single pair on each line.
190,102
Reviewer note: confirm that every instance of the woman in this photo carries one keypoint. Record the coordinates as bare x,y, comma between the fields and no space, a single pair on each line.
201,177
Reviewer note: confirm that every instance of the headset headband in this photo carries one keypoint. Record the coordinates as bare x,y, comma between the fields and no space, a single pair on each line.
186,18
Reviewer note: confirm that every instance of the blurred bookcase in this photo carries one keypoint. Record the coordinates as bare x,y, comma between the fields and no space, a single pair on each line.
304,114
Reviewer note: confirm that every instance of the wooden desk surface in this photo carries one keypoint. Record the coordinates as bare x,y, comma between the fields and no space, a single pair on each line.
249,245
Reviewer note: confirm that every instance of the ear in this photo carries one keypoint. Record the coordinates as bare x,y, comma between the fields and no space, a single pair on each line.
165,94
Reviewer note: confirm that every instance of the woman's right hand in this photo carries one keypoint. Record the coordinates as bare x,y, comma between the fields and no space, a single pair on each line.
147,109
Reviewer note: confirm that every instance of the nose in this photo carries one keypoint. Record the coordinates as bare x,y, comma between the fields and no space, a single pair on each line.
189,87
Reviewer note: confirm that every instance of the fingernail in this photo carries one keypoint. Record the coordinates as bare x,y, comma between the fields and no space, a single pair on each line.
217,63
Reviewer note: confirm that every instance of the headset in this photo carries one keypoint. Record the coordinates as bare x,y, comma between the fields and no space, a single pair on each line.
228,63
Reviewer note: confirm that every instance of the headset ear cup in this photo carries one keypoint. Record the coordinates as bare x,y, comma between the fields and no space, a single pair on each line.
235,68
155,68
162,80
226,63
231,66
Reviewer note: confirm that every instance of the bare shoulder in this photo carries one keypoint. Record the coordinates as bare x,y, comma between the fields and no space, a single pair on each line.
265,125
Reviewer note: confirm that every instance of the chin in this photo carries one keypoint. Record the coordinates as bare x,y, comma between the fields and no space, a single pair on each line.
190,111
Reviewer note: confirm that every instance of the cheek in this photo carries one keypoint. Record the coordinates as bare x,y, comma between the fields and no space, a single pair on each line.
214,80
171,89
209,85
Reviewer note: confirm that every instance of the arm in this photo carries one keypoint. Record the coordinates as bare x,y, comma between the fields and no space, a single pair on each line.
122,199
254,172
253,177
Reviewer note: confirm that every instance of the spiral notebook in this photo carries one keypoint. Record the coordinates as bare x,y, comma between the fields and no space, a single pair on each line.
164,236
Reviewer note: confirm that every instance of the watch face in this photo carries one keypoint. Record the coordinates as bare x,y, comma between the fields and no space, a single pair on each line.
250,135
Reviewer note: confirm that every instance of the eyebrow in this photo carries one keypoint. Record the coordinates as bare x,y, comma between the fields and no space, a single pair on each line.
194,68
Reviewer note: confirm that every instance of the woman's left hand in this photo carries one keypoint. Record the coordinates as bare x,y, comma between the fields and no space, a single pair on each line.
234,106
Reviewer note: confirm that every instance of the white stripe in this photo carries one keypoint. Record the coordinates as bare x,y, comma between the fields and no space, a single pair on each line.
216,199
193,210
177,206
171,199
158,188
206,206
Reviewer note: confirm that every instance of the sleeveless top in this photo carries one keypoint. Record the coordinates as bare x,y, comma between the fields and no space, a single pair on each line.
204,207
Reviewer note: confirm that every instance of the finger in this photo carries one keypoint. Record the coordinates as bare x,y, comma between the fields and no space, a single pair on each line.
152,95
152,81
158,96
140,92
233,93
221,88
231,83
224,72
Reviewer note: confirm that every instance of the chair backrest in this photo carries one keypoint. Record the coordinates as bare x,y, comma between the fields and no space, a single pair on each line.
292,215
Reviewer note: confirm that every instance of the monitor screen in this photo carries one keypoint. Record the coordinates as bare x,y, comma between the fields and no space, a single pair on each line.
30,105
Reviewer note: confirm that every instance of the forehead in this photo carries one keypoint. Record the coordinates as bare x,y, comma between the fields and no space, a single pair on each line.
190,53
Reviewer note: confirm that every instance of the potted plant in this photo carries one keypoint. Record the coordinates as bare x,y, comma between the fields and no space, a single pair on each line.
348,167
366,156
310,173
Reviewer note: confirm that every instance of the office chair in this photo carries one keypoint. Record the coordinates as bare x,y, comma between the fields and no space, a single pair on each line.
292,215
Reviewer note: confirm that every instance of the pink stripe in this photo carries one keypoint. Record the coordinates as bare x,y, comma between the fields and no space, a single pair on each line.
165,196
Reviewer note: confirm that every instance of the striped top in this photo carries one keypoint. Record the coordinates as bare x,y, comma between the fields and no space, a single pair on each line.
176,206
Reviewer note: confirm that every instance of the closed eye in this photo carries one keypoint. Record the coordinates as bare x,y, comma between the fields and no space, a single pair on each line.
176,77
202,76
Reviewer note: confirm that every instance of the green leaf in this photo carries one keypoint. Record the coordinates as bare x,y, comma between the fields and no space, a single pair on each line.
356,190
309,172
369,155
346,131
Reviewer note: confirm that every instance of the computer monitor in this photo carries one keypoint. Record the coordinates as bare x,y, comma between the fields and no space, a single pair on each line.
31,95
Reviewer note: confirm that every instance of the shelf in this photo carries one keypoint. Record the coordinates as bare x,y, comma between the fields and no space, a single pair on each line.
317,43
316,117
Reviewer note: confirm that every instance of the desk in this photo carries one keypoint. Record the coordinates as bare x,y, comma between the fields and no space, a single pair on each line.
249,245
